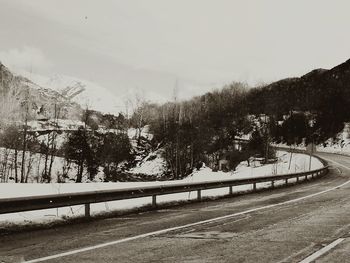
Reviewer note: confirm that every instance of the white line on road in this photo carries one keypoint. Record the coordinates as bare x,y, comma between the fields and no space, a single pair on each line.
322,251
72,252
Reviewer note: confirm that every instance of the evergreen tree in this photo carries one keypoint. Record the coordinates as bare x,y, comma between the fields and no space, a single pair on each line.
114,149
81,149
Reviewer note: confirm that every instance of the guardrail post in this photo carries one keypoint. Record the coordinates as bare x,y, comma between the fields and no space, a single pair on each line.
305,177
272,184
154,201
230,190
297,179
199,195
87,210
254,186
286,180
312,176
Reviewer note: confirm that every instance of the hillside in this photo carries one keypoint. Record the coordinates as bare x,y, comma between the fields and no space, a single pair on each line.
15,90
83,92
324,93
185,134
44,92
307,92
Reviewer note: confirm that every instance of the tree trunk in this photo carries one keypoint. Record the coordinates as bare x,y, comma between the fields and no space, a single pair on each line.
38,169
52,154
80,172
24,155
290,158
192,158
29,167
16,160
24,149
45,175
52,158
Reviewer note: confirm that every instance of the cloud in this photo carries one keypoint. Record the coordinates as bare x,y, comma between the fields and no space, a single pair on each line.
26,58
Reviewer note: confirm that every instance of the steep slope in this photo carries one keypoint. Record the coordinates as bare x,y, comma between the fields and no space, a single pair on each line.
86,93
308,92
323,93
15,90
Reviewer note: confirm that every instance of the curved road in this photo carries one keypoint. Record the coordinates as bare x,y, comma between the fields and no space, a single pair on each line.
302,223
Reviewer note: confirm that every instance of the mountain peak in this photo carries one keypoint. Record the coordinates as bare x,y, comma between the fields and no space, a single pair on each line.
4,69
16,88
343,67
315,72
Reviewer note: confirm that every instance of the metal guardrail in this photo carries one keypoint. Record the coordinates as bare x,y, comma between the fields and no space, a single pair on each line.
21,204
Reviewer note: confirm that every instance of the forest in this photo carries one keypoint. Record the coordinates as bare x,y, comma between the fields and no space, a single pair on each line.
205,129
308,109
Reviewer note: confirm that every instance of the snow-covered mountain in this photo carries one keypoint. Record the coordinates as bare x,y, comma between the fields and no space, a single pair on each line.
86,93
16,89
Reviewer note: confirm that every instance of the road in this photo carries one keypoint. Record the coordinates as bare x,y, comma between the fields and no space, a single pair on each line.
300,223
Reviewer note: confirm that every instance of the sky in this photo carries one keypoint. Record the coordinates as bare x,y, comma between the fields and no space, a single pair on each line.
157,45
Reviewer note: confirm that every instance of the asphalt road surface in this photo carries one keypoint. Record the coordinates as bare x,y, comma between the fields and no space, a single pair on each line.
301,223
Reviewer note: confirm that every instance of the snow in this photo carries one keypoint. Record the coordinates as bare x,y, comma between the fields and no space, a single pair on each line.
335,149
340,144
132,133
149,161
86,93
55,124
338,147
37,167
299,163
153,164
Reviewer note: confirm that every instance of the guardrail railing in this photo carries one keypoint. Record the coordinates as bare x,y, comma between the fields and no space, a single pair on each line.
21,204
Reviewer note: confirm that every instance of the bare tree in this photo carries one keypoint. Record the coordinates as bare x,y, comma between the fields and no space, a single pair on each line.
25,134
138,104
51,144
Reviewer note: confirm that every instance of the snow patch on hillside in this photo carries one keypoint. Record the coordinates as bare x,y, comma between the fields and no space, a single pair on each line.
153,164
340,144
145,132
55,124
299,163
86,93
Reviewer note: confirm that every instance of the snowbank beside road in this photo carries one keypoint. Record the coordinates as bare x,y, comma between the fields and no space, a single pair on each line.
299,163
335,148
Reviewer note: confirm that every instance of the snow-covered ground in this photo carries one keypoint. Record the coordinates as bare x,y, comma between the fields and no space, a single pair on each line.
34,168
53,124
340,147
339,144
152,164
300,162
132,133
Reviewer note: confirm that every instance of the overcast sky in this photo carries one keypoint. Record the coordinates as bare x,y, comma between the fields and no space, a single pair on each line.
130,44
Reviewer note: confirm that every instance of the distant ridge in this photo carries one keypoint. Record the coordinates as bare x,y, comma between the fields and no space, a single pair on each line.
42,99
